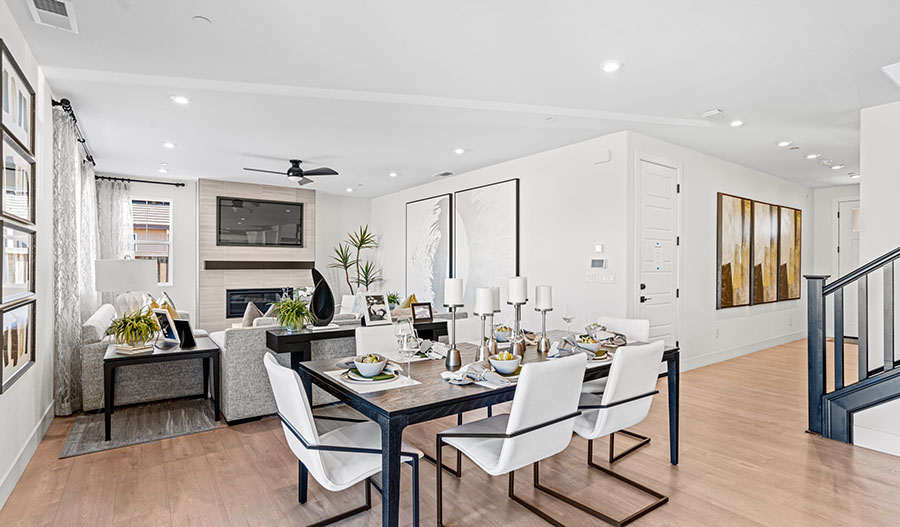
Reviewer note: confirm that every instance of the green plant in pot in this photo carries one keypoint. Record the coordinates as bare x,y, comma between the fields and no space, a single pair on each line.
393,300
135,329
293,312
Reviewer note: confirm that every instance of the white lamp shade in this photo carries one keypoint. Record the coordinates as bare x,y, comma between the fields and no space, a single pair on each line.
118,276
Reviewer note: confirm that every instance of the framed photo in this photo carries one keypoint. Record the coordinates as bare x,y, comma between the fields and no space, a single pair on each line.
421,313
429,253
377,309
17,102
17,265
18,342
17,183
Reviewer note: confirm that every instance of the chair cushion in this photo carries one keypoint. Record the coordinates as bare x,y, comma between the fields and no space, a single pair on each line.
594,386
485,452
585,423
346,469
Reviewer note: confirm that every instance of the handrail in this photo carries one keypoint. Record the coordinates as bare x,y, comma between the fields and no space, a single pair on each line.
854,275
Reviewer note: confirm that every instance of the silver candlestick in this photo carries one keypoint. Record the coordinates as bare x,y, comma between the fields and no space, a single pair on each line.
453,361
492,342
517,342
484,349
543,343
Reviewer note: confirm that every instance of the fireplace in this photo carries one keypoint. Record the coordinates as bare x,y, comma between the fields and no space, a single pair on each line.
236,300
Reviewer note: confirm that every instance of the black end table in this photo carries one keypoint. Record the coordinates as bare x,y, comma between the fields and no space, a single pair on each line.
204,349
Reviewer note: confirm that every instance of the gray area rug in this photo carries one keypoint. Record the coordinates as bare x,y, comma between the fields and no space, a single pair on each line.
138,424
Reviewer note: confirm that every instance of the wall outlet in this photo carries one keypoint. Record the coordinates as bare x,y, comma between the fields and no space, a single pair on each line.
590,277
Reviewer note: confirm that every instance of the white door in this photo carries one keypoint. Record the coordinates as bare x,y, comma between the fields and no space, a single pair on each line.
657,191
848,260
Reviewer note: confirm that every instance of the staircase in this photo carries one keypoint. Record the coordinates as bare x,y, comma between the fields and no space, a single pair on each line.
831,413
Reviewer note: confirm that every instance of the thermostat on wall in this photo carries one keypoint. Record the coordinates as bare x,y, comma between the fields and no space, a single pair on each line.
598,263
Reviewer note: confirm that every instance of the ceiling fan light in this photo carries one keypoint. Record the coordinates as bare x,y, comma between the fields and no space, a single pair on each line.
295,178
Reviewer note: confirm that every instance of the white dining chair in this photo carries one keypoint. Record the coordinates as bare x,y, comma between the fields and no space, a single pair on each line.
338,459
625,402
539,425
376,339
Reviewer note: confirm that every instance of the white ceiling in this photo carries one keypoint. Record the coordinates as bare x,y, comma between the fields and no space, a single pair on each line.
371,87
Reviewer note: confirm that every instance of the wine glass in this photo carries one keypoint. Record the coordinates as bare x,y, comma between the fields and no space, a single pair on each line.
409,344
569,317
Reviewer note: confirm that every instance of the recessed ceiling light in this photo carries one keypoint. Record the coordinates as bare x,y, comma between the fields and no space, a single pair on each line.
550,119
854,175
393,174
459,151
163,170
612,66
202,20
180,99
785,143
736,123
169,145
349,189
813,156
837,167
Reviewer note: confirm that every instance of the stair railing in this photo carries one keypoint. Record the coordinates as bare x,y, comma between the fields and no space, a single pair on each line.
817,291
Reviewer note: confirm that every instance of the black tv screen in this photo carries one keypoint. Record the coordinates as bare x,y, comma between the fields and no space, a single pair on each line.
259,223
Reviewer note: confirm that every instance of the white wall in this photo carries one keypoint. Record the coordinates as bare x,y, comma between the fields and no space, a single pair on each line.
336,216
26,409
706,334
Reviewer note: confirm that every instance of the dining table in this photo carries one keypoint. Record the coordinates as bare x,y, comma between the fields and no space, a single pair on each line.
432,397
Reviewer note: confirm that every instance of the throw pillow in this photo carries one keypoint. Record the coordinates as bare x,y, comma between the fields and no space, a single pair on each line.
165,298
270,313
250,314
171,309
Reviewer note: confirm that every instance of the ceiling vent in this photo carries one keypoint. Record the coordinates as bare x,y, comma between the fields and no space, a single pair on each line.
59,14
443,174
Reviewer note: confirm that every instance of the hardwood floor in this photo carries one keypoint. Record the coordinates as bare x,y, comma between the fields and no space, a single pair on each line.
745,461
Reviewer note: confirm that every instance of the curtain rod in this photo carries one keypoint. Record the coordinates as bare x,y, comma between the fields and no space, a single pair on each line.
129,180
79,136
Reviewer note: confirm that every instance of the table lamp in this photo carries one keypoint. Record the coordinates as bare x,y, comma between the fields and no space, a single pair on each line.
128,277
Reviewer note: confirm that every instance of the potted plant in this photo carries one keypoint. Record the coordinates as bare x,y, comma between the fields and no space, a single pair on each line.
134,330
393,300
293,312
343,259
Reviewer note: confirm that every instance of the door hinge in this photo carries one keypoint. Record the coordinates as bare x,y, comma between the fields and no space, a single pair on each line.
678,240
677,293
839,249
677,345
678,188
839,214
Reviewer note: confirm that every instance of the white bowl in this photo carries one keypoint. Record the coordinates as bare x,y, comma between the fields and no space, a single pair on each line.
502,336
505,367
369,369
590,347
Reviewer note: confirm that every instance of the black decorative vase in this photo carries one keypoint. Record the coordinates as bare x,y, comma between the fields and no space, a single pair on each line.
322,303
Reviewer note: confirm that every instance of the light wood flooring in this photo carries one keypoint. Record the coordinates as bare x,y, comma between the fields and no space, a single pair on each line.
745,461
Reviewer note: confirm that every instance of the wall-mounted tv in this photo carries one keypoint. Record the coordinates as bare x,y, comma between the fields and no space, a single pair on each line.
259,223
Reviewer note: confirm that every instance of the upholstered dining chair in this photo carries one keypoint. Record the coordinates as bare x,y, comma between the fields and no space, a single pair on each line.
625,402
338,459
539,425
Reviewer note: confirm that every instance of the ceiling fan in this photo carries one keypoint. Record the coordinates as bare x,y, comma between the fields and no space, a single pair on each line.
297,174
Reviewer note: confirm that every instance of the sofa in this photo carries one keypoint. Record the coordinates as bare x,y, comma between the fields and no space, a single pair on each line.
137,383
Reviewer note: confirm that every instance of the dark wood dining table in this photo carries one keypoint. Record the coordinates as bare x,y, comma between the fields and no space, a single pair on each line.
433,398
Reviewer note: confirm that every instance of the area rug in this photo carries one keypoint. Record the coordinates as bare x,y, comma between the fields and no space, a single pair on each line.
145,423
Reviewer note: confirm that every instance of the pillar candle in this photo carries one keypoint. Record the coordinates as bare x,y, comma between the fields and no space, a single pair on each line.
543,297
495,299
453,291
518,290
484,301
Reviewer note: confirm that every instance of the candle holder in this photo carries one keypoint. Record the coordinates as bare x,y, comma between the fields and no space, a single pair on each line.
453,360
484,347
517,340
543,343
493,348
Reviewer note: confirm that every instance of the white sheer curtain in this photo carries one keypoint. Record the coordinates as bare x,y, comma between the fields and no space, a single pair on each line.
87,246
115,227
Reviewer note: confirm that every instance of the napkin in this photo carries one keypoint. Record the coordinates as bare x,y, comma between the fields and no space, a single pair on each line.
563,348
440,348
476,372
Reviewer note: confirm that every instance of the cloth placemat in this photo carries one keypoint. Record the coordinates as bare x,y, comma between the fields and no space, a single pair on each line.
358,387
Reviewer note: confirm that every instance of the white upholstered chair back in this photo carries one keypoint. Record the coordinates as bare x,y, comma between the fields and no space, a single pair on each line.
375,339
634,372
634,329
546,391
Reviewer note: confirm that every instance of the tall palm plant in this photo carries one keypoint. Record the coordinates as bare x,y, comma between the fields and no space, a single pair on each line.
368,275
359,240
343,259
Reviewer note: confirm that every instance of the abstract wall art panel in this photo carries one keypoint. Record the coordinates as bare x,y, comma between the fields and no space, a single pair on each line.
428,247
486,234
789,254
733,251
765,253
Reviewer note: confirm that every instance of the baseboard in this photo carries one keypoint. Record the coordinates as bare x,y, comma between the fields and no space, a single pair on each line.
731,353
9,480
878,440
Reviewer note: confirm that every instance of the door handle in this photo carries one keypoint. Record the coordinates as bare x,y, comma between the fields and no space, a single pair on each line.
644,299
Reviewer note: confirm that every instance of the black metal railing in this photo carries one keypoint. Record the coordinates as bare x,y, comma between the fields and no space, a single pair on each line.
817,292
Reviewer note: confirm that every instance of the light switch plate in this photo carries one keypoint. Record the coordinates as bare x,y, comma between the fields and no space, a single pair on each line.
590,277
599,248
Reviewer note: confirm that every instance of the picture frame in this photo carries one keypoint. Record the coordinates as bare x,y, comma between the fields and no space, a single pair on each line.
422,313
17,262
789,252
17,185
377,311
764,243
17,347
733,248
429,246
17,101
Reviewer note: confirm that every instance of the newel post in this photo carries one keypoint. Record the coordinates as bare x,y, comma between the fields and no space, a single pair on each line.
815,321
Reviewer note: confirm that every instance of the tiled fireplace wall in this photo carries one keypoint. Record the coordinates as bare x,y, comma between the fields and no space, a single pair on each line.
247,267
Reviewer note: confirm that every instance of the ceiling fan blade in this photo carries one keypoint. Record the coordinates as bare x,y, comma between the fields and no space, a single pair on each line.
324,171
265,171
304,181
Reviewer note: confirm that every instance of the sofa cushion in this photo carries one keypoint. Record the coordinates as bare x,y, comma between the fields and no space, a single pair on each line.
94,329
251,313
265,322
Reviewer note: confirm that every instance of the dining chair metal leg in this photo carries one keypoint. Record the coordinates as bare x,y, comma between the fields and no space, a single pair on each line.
644,441
439,465
543,515
353,512
458,470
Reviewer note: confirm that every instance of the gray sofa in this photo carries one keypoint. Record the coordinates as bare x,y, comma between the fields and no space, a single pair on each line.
134,384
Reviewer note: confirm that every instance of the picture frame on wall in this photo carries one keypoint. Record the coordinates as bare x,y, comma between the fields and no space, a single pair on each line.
429,246
765,253
17,347
789,257
377,310
17,182
17,261
733,264
422,313
17,101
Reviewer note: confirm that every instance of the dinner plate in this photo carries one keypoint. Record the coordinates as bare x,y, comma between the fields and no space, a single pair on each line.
358,379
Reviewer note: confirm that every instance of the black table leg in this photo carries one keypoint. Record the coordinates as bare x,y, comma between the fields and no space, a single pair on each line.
674,380
391,436
217,383
303,473
109,383
206,391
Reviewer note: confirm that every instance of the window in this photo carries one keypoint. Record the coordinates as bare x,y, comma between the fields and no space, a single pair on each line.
153,234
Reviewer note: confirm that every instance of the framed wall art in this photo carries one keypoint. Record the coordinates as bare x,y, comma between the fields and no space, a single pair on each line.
429,250
765,253
16,101
733,245
790,228
18,342
17,183
17,269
